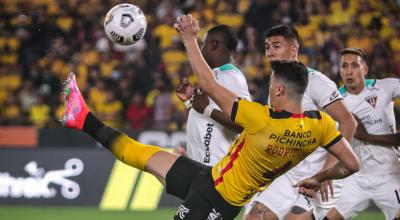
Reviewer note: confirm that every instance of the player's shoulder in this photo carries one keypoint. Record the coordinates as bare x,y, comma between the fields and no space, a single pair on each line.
386,81
317,76
228,68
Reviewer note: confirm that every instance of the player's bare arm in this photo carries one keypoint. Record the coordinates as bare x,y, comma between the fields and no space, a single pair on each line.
347,125
387,140
201,105
188,28
348,164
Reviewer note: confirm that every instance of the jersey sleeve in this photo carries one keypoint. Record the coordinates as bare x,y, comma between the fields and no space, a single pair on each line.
250,115
330,134
323,91
392,86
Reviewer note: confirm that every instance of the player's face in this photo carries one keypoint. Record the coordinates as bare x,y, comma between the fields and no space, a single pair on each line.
278,48
353,71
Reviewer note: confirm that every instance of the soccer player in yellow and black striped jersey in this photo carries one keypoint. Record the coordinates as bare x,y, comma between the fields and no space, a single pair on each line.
273,140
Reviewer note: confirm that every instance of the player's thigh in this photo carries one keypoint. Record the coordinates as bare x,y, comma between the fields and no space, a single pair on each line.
259,211
181,176
387,197
279,197
354,198
194,207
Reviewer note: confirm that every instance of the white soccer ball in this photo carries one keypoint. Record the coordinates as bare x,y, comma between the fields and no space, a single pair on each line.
125,24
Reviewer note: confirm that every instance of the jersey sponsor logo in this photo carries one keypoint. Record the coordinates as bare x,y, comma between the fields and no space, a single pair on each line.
294,138
207,140
214,215
182,211
334,95
368,121
372,100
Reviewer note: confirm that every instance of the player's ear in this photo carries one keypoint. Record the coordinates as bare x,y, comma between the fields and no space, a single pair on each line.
280,89
294,49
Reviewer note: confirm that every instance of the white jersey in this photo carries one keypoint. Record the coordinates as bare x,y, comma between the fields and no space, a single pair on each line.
374,106
320,92
207,140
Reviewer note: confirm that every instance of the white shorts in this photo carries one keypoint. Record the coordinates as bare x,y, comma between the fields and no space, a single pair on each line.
358,190
281,196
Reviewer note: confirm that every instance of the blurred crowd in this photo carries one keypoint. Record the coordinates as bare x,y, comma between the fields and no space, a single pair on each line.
42,41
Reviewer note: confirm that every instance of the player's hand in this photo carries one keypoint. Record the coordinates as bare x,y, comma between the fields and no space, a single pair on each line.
184,90
308,187
361,132
200,101
326,187
181,150
187,26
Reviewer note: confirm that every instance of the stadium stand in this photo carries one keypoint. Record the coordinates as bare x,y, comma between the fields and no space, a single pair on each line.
41,41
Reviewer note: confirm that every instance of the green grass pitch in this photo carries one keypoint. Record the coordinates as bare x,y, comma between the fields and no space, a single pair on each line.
68,213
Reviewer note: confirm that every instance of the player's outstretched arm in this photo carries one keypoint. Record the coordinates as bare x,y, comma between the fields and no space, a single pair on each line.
347,125
188,28
348,164
387,140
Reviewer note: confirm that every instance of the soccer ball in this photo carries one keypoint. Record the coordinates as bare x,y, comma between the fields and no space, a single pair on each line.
125,24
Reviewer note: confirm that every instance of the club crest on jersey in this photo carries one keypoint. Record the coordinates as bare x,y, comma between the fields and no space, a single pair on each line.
372,100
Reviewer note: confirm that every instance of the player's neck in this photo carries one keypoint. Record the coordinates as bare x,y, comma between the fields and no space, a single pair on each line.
355,90
289,106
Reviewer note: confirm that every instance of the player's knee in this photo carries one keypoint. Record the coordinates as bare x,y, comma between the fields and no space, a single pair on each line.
259,212
298,210
333,214
299,213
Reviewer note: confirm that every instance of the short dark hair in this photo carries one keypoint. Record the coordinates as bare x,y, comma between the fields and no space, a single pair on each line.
291,72
227,34
288,32
355,50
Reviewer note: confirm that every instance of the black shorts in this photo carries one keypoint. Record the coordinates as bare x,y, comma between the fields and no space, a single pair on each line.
192,182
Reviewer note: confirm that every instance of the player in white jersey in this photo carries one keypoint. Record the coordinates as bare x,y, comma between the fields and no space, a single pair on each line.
379,177
207,138
280,200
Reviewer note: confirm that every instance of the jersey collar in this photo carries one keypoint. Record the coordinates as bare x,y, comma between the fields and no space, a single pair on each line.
368,83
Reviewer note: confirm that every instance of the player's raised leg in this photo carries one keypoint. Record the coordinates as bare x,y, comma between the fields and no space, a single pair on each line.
144,157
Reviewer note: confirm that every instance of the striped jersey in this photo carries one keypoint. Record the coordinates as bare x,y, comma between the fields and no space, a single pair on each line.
271,143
